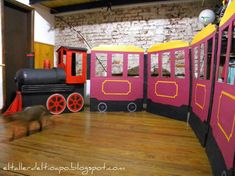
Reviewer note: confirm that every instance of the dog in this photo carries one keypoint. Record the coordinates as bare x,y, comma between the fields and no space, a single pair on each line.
29,114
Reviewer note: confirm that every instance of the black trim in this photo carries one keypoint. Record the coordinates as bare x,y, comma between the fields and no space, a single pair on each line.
72,48
190,80
216,158
200,128
31,2
178,113
145,77
50,88
98,4
115,106
88,61
215,43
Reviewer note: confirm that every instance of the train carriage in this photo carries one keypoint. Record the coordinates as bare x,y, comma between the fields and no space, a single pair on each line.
169,79
220,145
117,78
203,59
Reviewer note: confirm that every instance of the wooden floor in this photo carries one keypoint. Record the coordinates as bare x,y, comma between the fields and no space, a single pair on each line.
109,144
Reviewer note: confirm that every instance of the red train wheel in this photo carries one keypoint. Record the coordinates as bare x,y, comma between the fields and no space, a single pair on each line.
56,104
75,102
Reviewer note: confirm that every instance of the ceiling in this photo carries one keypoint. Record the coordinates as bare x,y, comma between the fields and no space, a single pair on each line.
61,6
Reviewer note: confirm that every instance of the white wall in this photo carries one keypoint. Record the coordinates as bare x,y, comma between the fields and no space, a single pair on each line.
43,32
44,25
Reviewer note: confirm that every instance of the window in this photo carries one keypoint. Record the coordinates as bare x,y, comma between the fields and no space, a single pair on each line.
224,44
202,59
209,56
231,68
154,65
180,64
195,53
117,64
101,64
76,64
64,57
166,67
133,64
59,57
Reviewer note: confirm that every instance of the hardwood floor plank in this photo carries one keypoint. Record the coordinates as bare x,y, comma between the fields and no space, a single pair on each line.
142,143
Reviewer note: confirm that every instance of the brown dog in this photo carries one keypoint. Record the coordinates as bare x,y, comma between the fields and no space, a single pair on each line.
30,114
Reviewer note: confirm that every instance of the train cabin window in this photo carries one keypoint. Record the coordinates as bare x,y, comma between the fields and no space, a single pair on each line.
224,44
202,60
166,67
101,64
154,65
59,57
117,64
195,54
231,68
180,64
76,64
209,56
64,56
133,64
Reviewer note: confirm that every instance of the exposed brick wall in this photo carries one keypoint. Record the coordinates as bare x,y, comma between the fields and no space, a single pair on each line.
142,26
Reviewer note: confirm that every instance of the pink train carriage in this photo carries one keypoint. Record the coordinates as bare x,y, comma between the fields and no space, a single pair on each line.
203,59
117,78
220,145
169,79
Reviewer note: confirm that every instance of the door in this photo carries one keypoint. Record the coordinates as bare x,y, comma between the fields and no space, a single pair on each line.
17,43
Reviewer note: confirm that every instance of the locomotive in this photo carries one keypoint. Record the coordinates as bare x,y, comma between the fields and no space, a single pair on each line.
60,89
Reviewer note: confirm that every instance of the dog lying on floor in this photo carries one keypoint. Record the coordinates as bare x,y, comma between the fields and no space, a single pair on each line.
29,114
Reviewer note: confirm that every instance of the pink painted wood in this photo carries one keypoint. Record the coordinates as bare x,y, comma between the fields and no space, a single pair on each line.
201,88
117,88
169,91
223,111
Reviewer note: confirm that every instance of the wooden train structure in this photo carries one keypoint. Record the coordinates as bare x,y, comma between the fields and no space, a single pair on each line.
189,82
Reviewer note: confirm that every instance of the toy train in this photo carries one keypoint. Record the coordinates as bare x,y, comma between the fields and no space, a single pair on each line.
59,89
193,82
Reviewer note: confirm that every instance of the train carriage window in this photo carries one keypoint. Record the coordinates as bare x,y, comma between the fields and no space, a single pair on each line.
133,64
202,60
231,68
166,67
209,56
76,64
101,64
195,53
223,47
154,65
180,64
117,64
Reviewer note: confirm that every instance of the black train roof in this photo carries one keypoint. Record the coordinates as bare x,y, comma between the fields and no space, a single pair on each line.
72,48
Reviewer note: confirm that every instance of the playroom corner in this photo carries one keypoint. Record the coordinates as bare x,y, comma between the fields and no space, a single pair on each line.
117,88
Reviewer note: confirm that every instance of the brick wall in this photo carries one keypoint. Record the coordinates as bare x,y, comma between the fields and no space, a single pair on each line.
139,25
